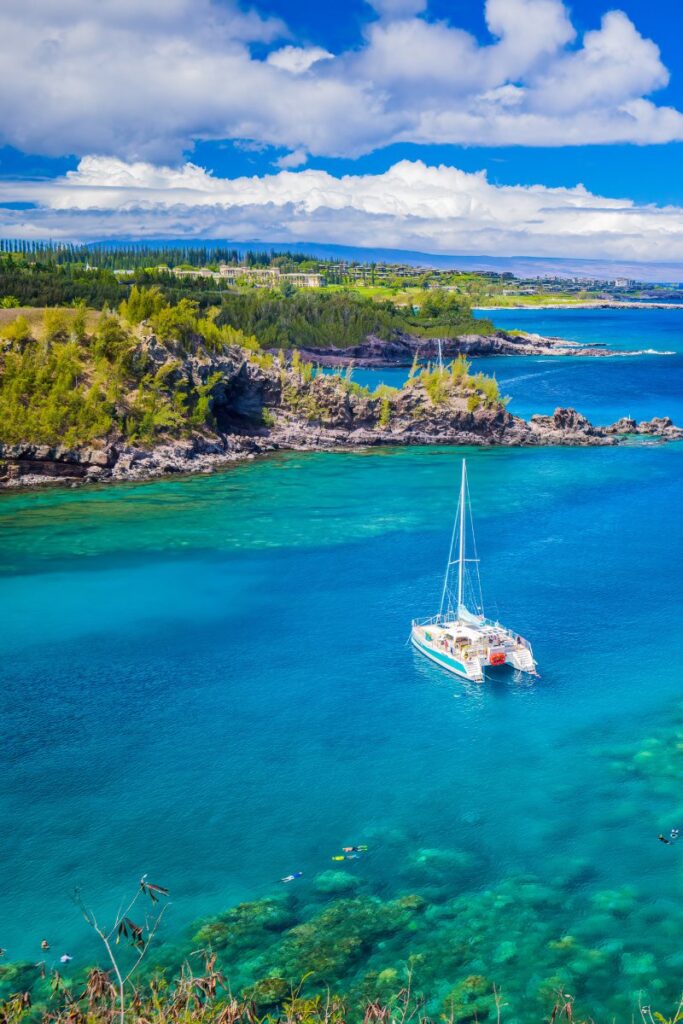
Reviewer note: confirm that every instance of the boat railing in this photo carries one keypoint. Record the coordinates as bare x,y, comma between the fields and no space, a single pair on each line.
434,620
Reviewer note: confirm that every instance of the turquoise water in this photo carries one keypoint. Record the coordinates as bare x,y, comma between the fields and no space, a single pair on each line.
207,679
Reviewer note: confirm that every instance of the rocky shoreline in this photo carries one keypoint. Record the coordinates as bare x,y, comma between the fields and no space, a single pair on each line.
403,349
30,465
259,404
587,304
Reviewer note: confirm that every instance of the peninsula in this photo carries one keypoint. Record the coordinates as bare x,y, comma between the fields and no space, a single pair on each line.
162,389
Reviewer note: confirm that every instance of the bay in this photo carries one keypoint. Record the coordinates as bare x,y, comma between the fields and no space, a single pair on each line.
208,679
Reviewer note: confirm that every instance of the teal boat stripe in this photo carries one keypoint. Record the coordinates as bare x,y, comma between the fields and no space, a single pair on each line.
443,658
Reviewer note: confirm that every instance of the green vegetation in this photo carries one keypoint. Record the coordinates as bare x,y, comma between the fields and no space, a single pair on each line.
445,382
341,318
65,384
443,314
71,377
308,319
281,317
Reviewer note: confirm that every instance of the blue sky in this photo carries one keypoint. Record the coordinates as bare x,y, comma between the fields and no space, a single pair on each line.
440,125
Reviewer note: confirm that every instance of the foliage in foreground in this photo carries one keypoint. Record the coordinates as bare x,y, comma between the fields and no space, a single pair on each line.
205,997
65,384
342,936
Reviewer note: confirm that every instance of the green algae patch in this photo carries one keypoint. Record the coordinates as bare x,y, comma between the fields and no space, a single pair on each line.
247,926
471,999
335,941
335,882
268,992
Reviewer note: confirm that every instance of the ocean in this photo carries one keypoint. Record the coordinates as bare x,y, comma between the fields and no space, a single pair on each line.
208,679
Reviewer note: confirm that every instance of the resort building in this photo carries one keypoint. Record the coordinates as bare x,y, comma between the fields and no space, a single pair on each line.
261,277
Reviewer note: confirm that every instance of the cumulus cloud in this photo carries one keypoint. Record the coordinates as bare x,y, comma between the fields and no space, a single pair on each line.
297,59
145,79
290,160
437,209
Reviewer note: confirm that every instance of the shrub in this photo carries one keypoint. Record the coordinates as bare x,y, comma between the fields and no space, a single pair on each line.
176,323
19,330
56,326
141,304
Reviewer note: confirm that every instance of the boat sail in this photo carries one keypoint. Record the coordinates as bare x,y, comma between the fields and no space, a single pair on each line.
460,638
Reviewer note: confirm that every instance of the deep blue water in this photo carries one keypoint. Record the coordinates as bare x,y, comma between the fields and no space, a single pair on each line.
603,389
208,679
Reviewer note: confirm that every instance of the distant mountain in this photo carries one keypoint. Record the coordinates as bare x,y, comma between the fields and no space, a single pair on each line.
520,266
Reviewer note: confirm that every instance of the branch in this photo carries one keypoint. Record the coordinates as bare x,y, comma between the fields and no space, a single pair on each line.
147,943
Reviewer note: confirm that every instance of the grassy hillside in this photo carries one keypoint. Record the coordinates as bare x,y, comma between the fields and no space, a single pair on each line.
279,318
72,377
154,371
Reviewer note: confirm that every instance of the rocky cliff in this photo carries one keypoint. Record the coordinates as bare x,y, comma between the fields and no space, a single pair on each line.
402,349
259,406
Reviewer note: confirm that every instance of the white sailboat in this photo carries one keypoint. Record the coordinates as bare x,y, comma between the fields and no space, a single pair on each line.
460,638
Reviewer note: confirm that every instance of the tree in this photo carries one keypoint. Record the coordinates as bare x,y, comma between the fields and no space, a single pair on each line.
142,303
138,936
176,323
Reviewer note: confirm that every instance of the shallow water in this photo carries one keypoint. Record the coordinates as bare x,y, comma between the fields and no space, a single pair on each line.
208,679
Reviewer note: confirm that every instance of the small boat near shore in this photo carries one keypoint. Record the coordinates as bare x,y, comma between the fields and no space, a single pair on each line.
462,639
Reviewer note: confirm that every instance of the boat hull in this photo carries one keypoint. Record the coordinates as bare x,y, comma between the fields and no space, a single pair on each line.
444,660
485,646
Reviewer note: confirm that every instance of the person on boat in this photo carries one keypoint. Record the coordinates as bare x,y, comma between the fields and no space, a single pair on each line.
292,877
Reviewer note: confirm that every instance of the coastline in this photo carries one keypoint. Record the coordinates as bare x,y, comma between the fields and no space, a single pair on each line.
404,349
258,403
29,465
587,304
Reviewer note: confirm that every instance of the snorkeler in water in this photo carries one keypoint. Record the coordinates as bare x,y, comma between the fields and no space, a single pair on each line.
292,877
674,834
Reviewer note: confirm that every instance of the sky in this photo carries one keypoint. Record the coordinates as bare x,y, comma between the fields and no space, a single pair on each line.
498,127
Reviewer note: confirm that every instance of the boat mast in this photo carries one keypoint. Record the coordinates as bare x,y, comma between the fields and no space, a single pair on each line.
459,521
461,556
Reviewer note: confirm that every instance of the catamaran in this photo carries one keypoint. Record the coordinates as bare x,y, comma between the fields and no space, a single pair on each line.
460,638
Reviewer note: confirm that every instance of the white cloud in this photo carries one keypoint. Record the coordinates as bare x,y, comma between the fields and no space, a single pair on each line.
297,59
528,30
290,160
615,65
411,206
145,79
